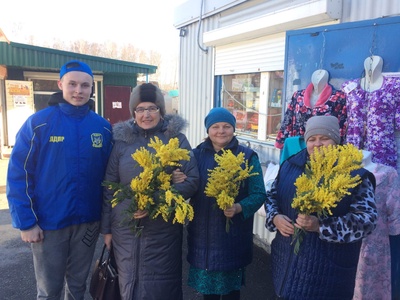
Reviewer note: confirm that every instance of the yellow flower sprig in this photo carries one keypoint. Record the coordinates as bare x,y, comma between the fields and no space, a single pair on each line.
225,179
169,154
326,181
152,190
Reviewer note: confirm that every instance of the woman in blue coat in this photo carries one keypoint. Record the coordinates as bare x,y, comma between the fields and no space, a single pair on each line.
326,264
218,258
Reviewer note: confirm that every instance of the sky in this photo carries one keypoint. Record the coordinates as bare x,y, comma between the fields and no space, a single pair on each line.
147,24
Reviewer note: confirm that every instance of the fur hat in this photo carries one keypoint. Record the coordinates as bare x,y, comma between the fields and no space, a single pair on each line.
219,114
146,92
325,125
75,65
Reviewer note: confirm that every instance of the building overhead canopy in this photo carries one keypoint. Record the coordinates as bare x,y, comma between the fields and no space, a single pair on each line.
190,10
302,15
37,58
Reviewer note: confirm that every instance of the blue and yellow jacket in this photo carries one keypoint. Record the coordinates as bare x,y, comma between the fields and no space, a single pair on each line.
57,166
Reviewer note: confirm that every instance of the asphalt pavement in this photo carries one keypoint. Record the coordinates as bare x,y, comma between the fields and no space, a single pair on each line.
17,280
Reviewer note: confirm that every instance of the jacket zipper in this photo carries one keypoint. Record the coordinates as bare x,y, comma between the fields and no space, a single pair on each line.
207,241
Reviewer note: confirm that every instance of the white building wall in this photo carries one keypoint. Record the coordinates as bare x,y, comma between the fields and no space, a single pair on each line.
2,113
196,80
358,10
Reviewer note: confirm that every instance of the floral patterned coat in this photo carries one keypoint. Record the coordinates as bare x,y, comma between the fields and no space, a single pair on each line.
373,117
330,102
373,279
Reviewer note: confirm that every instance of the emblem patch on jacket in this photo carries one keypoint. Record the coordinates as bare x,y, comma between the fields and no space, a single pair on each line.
56,139
97,140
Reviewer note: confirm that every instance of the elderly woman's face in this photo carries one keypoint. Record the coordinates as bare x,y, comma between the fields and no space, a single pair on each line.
147,115
220,134
318,140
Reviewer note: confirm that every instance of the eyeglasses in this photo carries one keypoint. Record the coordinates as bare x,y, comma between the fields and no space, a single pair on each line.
151,110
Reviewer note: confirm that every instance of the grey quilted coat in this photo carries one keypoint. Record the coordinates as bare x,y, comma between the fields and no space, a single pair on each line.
149,265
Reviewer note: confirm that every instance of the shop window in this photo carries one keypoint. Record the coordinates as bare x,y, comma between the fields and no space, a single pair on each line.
41,101
43,89
45,85
241,94
274,108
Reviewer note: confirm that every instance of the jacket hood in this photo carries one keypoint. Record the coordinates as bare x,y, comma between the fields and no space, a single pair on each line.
58,98
127,131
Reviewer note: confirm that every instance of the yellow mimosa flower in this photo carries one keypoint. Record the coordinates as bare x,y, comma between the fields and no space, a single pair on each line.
152,190
325,181
224,180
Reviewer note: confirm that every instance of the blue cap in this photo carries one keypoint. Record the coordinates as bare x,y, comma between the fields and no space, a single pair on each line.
219,114
75,65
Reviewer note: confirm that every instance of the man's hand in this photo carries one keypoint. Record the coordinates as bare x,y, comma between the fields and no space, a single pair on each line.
33,235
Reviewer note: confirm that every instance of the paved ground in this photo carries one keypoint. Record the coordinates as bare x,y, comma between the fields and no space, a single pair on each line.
17,281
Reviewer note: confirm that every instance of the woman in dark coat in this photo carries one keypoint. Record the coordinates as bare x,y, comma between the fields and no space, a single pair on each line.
218,258
326,264
149,264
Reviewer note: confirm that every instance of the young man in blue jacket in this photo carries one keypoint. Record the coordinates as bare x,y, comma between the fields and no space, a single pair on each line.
54,186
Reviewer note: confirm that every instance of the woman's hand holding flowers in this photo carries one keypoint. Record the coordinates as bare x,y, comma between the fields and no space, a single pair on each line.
140,214
178,176
225,179
284,225
327,178
307,223
236,208
151,192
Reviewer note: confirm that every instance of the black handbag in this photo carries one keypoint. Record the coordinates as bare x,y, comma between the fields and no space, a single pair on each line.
104,280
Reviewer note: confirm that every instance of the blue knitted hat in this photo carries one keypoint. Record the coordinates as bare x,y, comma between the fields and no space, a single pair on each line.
75,65
219,114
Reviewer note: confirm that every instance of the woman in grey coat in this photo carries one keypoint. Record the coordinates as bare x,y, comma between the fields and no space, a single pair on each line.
149,264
